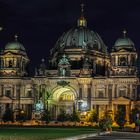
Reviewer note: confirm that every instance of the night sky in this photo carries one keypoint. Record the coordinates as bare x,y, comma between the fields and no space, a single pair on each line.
39,23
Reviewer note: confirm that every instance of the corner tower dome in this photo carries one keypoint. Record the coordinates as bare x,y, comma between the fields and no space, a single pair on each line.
80,37
124,43
15,45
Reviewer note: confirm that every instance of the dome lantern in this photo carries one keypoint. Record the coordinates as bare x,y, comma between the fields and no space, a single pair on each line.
82,22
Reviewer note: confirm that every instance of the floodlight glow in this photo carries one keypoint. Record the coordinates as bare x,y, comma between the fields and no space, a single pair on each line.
84,105
39,106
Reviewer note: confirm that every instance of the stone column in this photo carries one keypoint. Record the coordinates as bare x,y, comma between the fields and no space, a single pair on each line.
89,97
129,59
80,92
110,87
15,91
127,112
93,91
115,108
0,90
116,62
115,91
106,91
84,91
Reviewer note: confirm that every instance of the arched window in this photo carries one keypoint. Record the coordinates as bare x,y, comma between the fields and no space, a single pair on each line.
10,63
123,61
29,93
133,61
8,93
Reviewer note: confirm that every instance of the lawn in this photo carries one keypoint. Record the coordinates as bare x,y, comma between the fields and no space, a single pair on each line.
42,133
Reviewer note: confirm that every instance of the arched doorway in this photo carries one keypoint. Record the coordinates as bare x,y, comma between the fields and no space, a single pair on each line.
63,99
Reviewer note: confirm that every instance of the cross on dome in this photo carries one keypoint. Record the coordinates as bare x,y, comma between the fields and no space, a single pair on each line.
124,32
16,37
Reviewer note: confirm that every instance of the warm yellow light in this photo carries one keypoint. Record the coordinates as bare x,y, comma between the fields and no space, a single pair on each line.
1,28
22,112
83,113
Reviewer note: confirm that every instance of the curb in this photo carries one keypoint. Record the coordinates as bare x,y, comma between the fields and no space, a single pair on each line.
84,136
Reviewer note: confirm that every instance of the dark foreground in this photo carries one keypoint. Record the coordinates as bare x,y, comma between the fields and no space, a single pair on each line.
117,136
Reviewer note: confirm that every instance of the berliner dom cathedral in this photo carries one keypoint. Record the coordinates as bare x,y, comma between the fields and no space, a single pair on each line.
82,74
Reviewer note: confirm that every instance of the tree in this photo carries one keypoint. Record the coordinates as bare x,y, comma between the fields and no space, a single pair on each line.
46,116
133,115
75,117
120,118
47,96
93,117
105,122
62,116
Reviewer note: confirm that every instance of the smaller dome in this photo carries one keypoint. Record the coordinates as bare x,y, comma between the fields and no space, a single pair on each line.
14,46
124,42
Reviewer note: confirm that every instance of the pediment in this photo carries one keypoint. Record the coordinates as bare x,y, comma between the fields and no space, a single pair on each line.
10,53
121,100
5,99
122,50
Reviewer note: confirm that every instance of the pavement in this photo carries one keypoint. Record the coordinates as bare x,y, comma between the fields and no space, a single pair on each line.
106,136
84,136
116,136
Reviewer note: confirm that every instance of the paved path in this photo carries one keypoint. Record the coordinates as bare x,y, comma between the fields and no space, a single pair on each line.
116,136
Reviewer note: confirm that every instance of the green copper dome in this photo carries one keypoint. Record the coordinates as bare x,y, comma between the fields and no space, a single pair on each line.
124,42
81,37
14,46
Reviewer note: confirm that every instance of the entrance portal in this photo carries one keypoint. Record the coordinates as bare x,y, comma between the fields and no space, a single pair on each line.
63,100
122,108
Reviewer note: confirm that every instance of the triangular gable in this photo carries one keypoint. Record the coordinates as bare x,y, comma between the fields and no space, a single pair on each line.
5,99
8,53
122,50
121,100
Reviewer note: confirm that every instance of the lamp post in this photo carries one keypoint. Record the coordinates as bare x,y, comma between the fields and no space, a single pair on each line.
22,115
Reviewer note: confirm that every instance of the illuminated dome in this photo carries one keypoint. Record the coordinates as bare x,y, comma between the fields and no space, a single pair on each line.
80,37
14,46
124,43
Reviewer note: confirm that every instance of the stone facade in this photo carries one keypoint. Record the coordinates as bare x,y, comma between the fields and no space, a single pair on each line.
81,73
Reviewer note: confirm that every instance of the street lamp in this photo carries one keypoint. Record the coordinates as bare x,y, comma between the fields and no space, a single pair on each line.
22,115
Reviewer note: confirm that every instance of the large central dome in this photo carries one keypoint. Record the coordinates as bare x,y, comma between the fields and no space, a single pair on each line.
79,43
80,37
